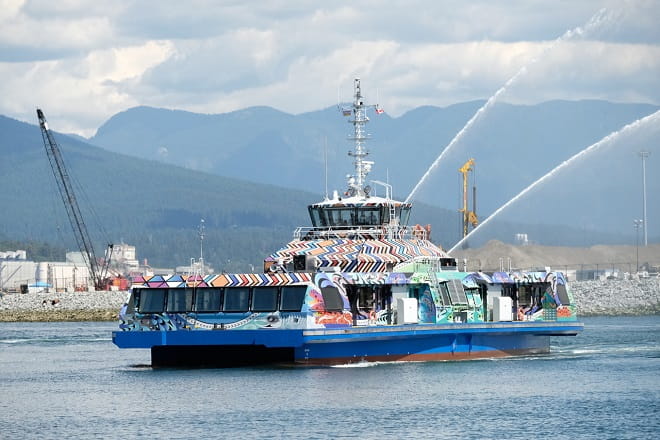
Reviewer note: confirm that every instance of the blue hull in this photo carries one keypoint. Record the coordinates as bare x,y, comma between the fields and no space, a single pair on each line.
341,346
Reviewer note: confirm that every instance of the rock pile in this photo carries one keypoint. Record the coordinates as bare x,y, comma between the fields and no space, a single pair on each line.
617,297
61,306
608,297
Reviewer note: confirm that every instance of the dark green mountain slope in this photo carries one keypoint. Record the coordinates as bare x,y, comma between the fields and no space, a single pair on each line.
154,206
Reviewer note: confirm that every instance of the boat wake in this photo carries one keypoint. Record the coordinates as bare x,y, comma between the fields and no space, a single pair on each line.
368,364
53,340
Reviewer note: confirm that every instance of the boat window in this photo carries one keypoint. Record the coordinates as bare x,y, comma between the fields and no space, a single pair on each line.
179,300
444,293
316,215
563,294
264,299
332,299
365,298
404,215
208,299
237,299
292,298
447,262
369,216
524,295
456,292
152,300
470,294
341,216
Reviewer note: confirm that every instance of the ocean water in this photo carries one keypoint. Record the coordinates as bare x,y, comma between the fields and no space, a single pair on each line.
67,380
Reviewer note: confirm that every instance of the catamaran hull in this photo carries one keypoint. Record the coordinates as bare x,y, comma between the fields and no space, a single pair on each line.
224,348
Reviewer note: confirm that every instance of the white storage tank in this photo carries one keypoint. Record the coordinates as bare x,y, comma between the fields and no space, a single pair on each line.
406,311
502,308
42,272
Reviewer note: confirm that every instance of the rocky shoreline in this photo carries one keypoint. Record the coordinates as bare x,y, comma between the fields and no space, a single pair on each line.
593,298
617,297
61,306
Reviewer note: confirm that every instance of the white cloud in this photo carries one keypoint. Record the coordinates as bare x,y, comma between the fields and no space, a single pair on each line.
44,30
87,59
77,93
594,70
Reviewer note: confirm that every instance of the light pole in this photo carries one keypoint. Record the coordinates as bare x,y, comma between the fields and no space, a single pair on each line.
200,231
638,223
644,155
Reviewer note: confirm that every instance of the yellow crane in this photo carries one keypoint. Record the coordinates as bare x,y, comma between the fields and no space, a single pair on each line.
469,217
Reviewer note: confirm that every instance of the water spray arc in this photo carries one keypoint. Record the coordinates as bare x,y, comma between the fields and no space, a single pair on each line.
597,20
638,124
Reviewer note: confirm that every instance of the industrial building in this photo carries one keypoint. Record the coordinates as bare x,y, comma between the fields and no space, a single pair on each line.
18,274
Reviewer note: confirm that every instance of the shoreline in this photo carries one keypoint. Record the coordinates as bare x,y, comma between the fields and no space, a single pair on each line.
59,315
634,297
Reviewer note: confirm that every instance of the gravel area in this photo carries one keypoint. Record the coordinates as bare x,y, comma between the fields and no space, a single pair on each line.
617,297
607,297
64,306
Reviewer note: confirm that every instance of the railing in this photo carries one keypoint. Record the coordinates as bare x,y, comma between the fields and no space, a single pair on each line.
360,232
576,271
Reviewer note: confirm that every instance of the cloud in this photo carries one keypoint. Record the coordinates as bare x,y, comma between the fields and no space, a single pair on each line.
237,60
88,59
77,93
594,70
45,30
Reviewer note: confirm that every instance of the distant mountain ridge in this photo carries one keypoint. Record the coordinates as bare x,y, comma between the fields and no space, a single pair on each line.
232,144
513,145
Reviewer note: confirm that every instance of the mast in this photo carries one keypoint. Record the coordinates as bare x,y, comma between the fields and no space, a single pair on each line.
357,182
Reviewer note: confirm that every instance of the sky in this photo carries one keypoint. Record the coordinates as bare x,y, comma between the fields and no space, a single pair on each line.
82,61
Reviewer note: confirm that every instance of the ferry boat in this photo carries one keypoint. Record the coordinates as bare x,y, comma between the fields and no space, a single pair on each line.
358,285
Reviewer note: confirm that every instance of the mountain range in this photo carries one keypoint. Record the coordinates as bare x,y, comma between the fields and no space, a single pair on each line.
150,175
513,146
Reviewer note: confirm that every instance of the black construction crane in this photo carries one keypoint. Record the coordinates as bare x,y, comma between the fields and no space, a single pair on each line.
97,271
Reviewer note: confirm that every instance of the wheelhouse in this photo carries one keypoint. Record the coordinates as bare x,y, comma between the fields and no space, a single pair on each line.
358,214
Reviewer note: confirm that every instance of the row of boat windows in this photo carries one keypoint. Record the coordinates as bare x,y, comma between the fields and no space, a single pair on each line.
353,216
216,299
